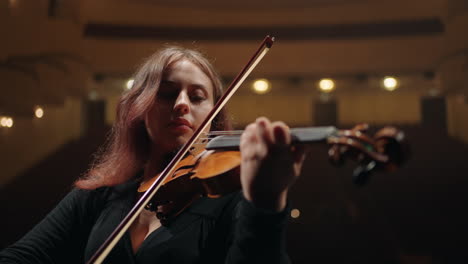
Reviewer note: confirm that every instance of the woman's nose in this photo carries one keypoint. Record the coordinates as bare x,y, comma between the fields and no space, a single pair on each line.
182,103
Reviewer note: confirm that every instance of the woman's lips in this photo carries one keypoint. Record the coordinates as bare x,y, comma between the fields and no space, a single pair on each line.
180,125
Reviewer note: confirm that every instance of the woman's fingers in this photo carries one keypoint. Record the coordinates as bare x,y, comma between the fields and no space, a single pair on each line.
281,133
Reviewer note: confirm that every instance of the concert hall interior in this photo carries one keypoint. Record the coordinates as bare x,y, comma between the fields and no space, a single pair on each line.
404,63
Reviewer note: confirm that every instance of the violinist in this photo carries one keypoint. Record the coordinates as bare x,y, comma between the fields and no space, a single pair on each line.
172,93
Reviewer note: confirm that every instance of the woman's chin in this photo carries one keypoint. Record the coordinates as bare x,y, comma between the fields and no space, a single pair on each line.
172,143
178,142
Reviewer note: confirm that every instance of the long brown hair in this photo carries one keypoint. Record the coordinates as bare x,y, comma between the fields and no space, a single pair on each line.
127,148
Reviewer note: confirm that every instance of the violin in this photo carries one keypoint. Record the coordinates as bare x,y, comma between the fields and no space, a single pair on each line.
212,169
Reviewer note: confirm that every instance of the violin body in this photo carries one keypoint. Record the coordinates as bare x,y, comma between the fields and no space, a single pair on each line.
207,173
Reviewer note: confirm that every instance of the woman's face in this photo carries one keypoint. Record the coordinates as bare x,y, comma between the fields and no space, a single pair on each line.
184,99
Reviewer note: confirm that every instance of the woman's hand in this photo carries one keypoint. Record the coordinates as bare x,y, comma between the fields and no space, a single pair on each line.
270,165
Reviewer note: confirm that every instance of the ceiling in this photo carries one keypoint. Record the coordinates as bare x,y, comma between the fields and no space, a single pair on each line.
315,38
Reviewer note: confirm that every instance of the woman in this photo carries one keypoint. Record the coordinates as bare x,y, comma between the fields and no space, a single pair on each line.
172,94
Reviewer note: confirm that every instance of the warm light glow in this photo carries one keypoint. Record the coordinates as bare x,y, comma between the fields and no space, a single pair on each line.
39,112
13,3
93,95
3,121
390,83
326,85
130,84
295,213
433,92
261,86
9,122
6,121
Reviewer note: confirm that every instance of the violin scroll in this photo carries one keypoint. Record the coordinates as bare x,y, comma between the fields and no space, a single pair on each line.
387,150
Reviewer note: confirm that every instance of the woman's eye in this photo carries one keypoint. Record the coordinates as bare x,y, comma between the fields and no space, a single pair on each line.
197,98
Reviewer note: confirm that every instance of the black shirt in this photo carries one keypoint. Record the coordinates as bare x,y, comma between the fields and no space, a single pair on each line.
224,230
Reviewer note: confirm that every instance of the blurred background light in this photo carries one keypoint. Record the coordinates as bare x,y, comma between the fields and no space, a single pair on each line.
6,121
295,213
39,112
9,122
326,85
390,83
3,121
261,86
130,84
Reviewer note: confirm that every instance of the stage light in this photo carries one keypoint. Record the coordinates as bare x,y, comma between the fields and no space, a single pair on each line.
9,122
3,121
6,121
295,213
390,83
326,85
261,86
130,84
39,112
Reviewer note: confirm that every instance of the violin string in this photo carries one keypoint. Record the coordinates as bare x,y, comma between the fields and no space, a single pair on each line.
217,133
239,132
208,136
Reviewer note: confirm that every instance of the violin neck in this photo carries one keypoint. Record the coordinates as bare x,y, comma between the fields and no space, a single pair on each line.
302,135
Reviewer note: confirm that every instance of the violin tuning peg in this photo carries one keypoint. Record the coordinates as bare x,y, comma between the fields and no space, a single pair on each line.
361,127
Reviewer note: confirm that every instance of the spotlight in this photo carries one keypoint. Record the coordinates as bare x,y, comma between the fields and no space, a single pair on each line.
326,85
261,86
295,213
130,83
39,112
3,121
390,83
9,122
6,121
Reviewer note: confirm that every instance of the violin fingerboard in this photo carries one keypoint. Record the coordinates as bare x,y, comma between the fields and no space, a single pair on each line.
224,142
303,135
299,136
